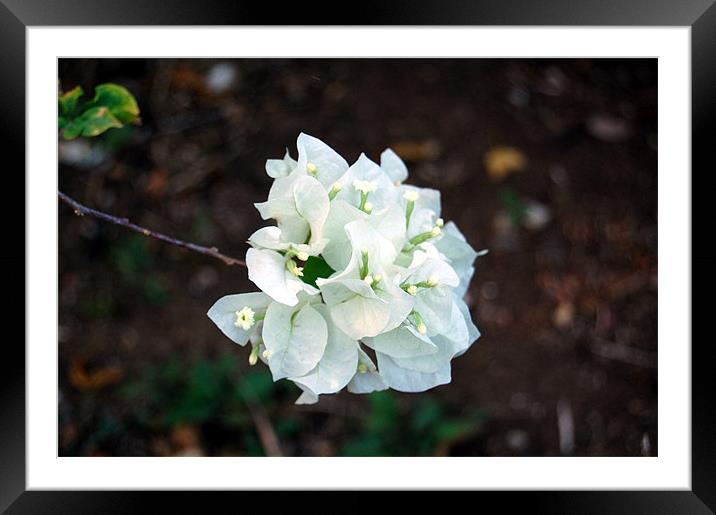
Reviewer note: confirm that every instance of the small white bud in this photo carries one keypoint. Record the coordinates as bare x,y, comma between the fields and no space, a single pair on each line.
421,328
253,358
435,231
411,195
439,222
377,279
266,354
311,168
432,281
337,186
368,279
368,207
364,186
245,318
303,256
413,290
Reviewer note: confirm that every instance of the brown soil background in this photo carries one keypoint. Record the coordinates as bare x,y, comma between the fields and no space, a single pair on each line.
567,309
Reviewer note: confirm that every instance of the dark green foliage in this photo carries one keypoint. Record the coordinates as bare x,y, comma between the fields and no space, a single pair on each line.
205,391
113,106
314,268
515,207
389,429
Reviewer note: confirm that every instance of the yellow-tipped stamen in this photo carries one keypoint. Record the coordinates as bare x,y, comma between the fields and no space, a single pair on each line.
311,168
362,368
295,270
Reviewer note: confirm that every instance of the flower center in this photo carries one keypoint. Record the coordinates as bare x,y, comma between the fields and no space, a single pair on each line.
245,318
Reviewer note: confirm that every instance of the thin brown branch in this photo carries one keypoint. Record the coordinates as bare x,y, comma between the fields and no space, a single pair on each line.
267,435
82,210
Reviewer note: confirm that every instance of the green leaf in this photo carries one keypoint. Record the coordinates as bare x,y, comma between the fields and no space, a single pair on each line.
118,100
97,120
68,101
72,129
112,107
314,268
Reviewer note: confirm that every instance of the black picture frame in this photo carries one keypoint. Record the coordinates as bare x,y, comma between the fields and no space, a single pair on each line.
17,15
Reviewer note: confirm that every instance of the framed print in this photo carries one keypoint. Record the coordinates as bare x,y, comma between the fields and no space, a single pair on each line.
449,248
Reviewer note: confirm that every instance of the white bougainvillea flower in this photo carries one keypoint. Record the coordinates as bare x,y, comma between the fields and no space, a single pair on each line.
365,182
277,276
365,308
295,338
420,373
300,205
337,366
386,222
358,261
237,315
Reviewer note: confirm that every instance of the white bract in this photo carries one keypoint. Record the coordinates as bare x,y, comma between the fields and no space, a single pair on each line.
357,262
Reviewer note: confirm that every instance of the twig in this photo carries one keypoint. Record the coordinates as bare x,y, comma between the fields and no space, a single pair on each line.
81,210
267,435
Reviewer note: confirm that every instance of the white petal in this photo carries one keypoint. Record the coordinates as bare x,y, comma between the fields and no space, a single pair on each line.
398,301
393,166
403,342
459,253
312,204
338,363
267,269
268,238
363,236
405,380
434,267
365,170
294,339
337,252
369,381
390,224
223,314
337,290
277,168
472,331
435,306
330,166
307,397
359,317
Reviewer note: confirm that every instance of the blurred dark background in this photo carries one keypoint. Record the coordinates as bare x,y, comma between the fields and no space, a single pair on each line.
551,164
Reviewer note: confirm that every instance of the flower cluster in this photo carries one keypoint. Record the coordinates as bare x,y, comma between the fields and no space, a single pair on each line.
356,260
